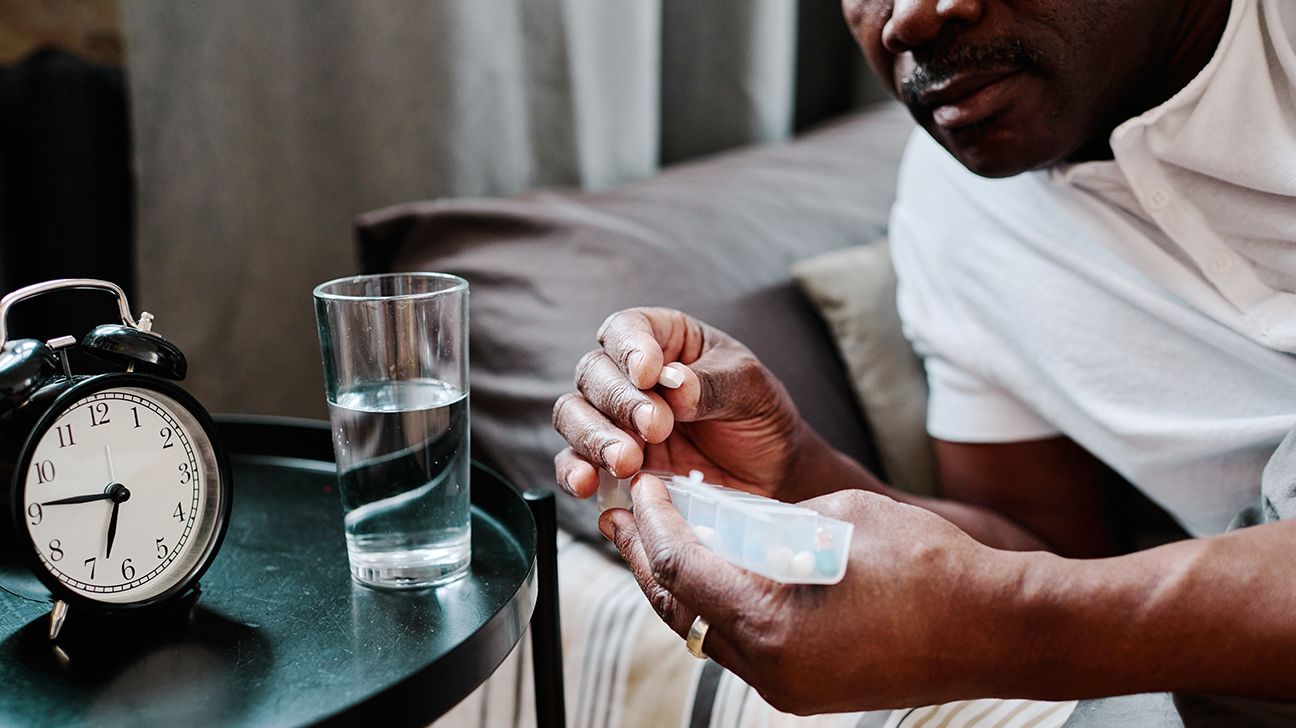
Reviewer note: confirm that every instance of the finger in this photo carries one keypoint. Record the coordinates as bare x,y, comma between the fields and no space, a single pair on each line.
594,437
726,383
619,526
722,378
575,474
611,392
682,565
641,340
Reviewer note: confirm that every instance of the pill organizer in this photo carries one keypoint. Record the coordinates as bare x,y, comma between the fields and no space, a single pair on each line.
782,541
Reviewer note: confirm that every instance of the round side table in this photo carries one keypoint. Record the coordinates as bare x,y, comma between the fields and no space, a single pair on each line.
280,635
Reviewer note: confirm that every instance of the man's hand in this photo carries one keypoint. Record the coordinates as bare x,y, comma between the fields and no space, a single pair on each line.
910,624
925,614
730,418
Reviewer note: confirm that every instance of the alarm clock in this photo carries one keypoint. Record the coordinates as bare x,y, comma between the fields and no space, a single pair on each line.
114,489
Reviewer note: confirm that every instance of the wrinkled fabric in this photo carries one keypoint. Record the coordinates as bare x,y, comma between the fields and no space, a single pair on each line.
1277,499
262,128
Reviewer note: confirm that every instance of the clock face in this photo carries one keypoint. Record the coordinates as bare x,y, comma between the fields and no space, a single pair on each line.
122,494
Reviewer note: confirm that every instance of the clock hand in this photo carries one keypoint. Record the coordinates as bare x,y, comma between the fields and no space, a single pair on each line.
108,454
112,529
79,499
116,491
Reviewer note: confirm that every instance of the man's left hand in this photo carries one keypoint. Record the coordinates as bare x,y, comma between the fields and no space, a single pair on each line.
913,622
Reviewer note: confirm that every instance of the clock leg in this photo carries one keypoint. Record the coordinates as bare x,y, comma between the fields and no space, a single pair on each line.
57,615
191,612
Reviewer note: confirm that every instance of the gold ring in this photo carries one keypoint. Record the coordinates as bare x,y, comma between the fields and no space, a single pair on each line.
696,634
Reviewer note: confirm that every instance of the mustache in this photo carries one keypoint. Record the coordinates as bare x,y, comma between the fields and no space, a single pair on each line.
937,66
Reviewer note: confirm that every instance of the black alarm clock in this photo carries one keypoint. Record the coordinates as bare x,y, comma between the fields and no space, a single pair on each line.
114,489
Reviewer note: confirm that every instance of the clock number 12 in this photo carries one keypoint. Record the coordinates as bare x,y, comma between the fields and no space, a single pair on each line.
99,414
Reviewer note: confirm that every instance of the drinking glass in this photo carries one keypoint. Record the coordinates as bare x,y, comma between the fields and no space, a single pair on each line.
395,351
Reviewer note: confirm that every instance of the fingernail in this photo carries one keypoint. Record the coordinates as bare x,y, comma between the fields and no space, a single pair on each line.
562,483
607,529
611,455
643,415
635,362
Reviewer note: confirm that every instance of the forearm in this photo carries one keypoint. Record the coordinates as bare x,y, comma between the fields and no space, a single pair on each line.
1214,615
820,469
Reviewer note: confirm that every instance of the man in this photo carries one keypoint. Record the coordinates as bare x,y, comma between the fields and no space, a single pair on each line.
1120,306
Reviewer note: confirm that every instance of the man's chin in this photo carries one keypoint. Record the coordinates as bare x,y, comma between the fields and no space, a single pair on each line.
994,148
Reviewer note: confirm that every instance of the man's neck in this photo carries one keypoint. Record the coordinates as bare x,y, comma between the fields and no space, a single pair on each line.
1195,31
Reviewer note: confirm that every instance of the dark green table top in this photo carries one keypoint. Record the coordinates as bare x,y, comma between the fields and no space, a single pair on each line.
280,635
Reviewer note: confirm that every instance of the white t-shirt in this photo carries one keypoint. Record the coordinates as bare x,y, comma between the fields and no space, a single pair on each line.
1142,307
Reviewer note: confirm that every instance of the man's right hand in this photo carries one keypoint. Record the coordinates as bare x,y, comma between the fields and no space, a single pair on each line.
731,418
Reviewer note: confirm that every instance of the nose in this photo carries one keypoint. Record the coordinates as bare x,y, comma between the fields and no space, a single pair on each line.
914,23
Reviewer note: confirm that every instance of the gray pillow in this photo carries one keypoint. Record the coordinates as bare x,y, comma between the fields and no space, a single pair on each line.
713,238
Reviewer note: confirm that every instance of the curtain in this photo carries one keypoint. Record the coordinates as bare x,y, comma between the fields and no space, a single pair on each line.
66,197
263,127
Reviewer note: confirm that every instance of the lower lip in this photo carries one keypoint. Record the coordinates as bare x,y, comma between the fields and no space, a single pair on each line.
975,107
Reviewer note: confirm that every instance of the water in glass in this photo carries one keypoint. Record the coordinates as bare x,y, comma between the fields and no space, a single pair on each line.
402,458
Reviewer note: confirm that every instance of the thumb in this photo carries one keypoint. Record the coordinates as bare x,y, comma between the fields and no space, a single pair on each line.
726,382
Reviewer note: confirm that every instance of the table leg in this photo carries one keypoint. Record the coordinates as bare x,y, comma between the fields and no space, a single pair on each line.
546,631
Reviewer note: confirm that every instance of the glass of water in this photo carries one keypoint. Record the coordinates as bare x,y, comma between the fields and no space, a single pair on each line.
395,351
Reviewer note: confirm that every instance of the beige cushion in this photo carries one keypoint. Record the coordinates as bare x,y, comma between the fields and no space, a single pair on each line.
854,290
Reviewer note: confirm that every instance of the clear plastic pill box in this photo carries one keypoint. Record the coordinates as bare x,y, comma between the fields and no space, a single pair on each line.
782,541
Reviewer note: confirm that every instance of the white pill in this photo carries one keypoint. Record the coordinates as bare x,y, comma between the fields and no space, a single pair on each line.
779,558
672,376
802,565
706,535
